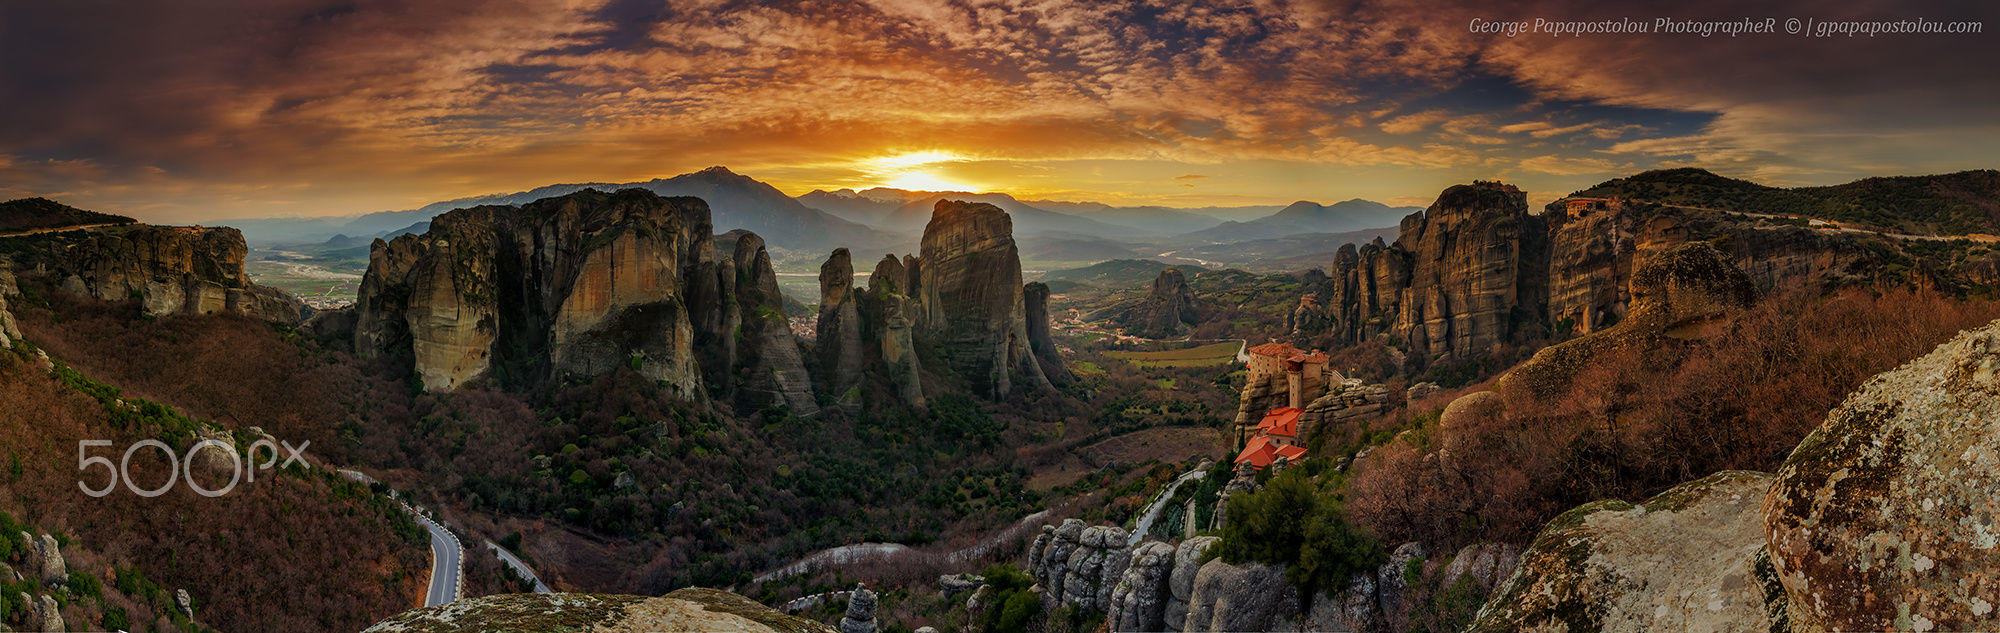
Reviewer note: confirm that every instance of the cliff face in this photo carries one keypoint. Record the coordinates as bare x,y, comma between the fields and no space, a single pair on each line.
169,269
1450,285
839,346
1476,269
770,370
581,284
963,298
1168,310
9,330
1672,295
971,291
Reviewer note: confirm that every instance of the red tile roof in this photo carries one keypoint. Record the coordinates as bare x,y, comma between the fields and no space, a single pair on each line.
1260,452
1274,350
1284,421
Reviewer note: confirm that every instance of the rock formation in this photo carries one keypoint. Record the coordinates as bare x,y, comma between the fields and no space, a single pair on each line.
1344,403
1448,287
43,557
1475,268
839,345
580,285
681,610
1139,601
1167,311
1078,565
1673,294
1484,564
1041,343
1879,520
770,370
10,331
1686,560
1244,597
1187,565
963,298
972,296
47,616
1885,516
168,269
860,617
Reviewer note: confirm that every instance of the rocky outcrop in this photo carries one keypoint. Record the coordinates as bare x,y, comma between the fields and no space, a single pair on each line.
1485,565
1139,601
45,614
1674,293
1343,404
1187,564
1884,518
1689,559
581,285
770,371
10,331
1167,311
889,322
972,296
1041,343
682,610
1591,256
963,298
860,617
1242,597
839,346
43,558
1476,268
1448,287
167,269
1077,564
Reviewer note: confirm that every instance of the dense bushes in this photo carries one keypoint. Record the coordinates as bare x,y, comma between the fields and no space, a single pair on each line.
1632,426
1291,522
1013,608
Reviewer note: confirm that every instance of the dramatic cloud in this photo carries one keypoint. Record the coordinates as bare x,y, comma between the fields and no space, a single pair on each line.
180,110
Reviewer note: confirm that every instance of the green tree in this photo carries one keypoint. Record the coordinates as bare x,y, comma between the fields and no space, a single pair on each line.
1291,523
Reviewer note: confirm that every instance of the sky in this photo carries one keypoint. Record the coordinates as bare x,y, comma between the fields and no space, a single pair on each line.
189,110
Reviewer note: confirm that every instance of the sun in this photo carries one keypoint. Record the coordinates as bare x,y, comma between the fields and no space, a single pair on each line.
924,181
905,171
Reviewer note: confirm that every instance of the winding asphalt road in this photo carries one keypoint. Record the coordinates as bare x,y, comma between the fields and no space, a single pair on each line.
1158,504
519,567
447,562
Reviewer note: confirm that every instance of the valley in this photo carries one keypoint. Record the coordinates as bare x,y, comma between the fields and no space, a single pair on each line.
637,411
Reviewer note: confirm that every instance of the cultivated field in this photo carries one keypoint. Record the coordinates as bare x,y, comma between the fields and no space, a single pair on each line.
1211,354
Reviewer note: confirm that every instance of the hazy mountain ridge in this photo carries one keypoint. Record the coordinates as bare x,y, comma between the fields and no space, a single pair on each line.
1307,217
1947,204
29,214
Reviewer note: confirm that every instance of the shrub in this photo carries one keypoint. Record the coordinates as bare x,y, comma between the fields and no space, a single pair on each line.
1290,523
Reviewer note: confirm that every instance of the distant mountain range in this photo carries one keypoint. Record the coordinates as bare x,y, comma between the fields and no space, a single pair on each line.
907,211
1307,217
735,201
889,220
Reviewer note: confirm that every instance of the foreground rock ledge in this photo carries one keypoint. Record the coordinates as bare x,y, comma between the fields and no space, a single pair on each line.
1686,560
1888,516
683,610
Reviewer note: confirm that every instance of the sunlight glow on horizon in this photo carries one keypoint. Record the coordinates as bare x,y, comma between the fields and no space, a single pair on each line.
901,171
